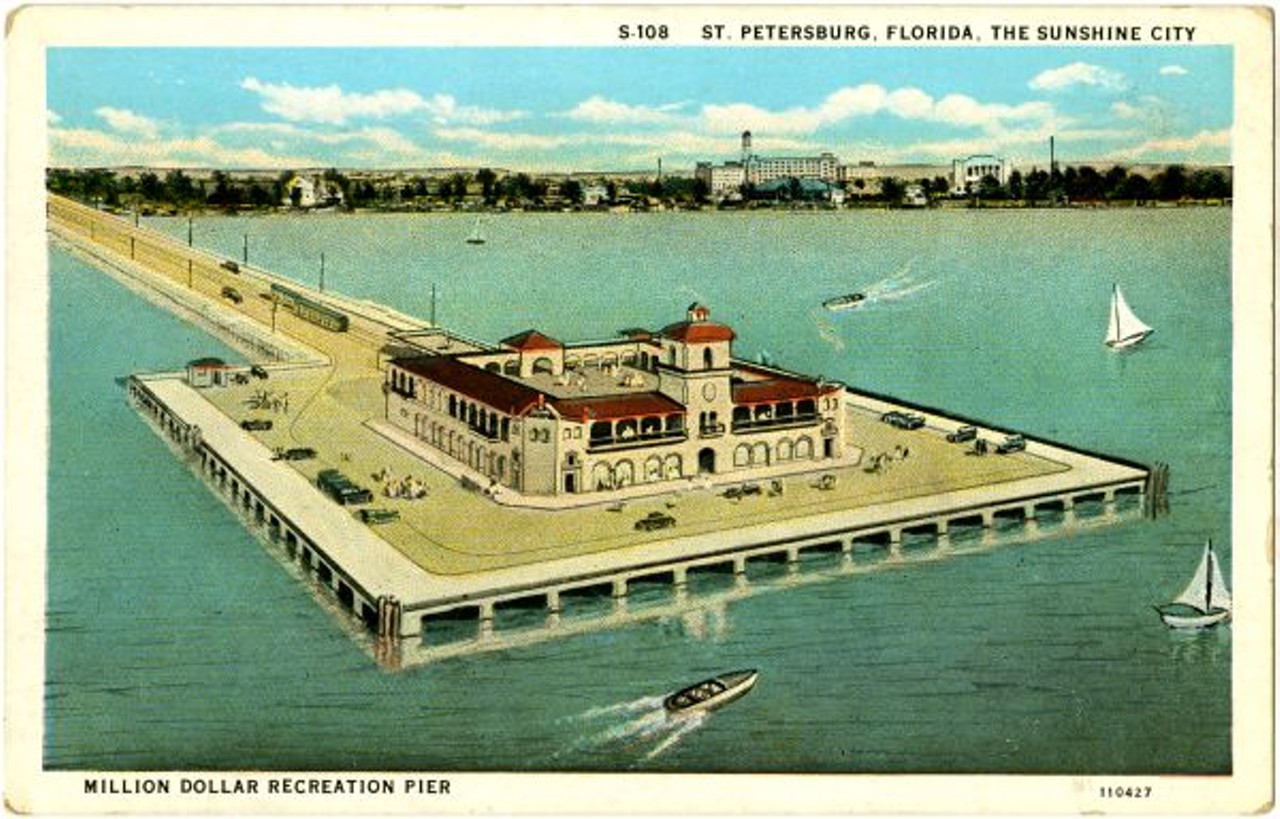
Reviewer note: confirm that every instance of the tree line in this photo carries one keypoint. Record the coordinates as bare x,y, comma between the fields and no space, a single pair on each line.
177,190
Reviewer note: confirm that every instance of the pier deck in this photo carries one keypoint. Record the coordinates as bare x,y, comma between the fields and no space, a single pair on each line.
460,549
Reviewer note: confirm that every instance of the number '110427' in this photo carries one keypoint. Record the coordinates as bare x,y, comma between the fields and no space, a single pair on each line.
1127,792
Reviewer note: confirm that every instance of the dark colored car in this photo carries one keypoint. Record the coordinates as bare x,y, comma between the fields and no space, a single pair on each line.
231,266
964,433
302,453
231,294
257,371
655,521
903,420
256,424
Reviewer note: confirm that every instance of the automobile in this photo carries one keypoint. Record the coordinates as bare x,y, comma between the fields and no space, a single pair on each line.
257,371
256,424
301,453
231,294
230,265
903,420
654,521
962,434
1013,443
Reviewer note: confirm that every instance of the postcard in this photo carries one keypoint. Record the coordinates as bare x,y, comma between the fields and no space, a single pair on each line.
761,409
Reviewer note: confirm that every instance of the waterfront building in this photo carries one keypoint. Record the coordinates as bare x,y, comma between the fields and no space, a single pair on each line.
302,192
968,173
538,416
727,178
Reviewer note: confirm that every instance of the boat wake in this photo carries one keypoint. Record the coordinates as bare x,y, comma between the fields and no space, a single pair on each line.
899,287
901,284
640,730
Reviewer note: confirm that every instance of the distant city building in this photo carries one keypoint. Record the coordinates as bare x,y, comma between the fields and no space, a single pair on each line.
542,417
301,192
729,177
595,195
968,173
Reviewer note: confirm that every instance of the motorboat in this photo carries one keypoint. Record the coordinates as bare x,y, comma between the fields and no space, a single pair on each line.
845,302
711,693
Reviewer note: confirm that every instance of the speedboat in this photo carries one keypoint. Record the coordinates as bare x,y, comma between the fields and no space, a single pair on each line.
711,693
845,302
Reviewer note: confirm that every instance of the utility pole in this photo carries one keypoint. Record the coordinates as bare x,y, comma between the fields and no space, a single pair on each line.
188,231
322,271
246,248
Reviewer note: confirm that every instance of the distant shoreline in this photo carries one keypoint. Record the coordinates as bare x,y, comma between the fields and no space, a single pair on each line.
950,205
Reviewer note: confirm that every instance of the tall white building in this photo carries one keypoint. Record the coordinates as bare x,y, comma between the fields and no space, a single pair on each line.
968,173
724,179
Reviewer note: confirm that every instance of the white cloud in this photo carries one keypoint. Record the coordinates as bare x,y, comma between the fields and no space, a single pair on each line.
869,99
1205,146
330,105
597,109
1056,79
1173,71
127,122
86,147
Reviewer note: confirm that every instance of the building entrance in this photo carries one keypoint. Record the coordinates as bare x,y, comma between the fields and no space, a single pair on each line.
706,461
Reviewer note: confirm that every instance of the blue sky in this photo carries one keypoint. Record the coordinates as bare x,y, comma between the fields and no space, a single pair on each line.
547,109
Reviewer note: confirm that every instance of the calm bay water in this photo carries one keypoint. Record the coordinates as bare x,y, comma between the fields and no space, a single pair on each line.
176,642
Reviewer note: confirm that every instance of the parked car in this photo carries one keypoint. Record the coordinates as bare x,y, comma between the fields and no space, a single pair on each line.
903,420
962,434
301,453
231,266
256,424
655,521
231,294
1014,443
257,371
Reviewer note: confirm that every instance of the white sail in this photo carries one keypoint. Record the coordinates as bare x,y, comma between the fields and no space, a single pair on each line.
1125,328
1207,589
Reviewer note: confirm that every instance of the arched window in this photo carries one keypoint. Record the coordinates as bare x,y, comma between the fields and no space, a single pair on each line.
742,455
624,474
784,449
673,467
708,359
804,448
653,469
760,454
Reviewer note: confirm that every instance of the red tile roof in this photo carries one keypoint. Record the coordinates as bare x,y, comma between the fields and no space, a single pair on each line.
487,387
514,398
531,340
779,389
698,332
610,407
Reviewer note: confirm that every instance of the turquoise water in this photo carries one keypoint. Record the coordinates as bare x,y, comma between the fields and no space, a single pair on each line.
176,641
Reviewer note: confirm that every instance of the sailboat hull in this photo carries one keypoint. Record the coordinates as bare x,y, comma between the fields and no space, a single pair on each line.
1179,618
1124,343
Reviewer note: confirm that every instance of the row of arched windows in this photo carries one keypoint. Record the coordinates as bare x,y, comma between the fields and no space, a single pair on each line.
616,475
761,454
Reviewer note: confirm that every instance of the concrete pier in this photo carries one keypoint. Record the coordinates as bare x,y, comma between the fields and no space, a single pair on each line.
458,554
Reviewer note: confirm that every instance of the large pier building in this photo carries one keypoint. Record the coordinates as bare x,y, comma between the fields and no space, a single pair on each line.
541,417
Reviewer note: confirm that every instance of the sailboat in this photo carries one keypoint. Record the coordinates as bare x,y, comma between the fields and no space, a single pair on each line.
1205,602
476,237
1125,329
